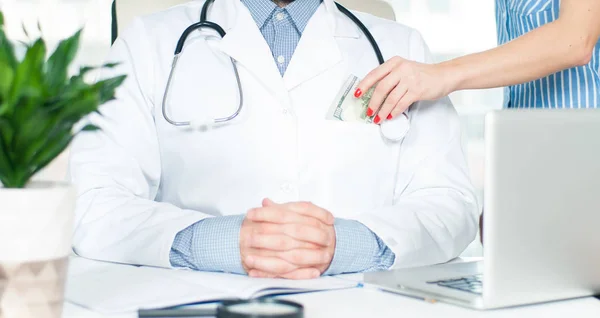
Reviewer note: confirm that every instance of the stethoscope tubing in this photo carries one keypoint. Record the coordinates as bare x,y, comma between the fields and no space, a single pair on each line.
215,27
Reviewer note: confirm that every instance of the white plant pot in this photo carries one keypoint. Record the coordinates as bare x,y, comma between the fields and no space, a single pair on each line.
36,226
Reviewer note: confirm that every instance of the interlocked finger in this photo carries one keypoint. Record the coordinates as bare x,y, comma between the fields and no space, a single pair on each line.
305,258
279,242
272,265
280,215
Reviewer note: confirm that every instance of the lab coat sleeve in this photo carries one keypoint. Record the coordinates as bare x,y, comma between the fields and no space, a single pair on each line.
117,170
433,216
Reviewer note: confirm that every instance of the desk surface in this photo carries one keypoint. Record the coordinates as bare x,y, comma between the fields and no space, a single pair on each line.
363,302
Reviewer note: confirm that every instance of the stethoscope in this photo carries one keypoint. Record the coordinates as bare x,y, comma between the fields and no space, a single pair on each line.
394,132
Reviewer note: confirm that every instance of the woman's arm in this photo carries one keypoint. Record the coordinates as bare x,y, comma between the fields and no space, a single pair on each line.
564,43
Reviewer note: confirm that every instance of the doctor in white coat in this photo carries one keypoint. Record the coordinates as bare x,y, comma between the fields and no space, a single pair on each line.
280,191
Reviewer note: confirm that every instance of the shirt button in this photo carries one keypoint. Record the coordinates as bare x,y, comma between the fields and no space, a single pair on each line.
281,59
280,16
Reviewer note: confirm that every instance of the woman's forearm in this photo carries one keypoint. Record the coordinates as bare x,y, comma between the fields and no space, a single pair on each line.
544,51
565,43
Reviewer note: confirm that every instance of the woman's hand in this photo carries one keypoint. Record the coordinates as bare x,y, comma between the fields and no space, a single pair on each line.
400,83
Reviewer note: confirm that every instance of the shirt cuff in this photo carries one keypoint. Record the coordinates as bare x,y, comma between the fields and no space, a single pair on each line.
211,245
358,249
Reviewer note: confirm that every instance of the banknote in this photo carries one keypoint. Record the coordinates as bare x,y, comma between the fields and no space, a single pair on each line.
348,108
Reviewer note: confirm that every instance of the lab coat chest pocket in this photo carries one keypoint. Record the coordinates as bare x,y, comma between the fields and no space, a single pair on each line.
203,85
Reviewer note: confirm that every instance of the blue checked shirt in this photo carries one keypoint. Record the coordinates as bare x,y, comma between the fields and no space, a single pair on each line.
213,244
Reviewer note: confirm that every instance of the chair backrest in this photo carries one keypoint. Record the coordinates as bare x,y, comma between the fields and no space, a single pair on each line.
125,10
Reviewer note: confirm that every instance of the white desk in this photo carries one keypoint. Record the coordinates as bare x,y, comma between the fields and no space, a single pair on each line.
363,302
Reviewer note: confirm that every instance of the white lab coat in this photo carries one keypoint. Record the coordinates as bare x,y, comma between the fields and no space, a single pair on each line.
142,180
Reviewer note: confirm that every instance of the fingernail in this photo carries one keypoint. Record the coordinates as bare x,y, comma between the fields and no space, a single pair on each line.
390,117
358,93
377,119
369,112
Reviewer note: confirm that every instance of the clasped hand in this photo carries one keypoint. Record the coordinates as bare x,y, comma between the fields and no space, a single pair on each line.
292,241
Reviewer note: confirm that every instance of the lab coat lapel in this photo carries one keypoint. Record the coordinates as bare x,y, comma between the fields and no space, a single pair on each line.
247,46
318,50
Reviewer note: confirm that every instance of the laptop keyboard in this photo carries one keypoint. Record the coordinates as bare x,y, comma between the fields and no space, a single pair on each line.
471,284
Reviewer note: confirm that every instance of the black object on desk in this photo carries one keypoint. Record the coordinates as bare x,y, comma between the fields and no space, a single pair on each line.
175,313
257,308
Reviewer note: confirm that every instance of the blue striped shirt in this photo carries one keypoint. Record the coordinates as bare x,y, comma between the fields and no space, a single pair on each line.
213,244
578,87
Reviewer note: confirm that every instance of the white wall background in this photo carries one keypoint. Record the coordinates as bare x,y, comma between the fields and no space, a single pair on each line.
451,28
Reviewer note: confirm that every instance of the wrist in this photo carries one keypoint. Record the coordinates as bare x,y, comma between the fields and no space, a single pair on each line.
452,75
215,245
347,256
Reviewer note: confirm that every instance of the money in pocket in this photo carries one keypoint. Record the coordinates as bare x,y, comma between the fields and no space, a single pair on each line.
348,108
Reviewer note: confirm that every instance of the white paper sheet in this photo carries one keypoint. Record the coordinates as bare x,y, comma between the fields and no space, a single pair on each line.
112,288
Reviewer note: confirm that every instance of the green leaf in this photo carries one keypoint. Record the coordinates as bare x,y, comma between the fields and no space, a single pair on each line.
7,50
27,81
59,61
90,127
107,88
6,131
86,69
40,105
110,65
7,75
32,132
4,108
80,107
1,18
5,160
52,150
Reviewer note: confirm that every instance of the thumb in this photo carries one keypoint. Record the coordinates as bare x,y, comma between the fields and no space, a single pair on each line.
267,203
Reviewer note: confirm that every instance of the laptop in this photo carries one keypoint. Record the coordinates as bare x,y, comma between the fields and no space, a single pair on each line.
541,229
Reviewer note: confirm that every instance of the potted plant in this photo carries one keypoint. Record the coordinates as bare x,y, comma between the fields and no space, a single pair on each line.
41,108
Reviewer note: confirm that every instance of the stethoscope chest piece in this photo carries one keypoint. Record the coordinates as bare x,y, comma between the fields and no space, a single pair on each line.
260,308
396,129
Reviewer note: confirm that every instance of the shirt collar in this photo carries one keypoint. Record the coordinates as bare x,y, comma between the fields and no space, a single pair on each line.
300,11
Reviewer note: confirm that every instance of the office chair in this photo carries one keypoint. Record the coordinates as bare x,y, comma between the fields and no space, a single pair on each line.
123,11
